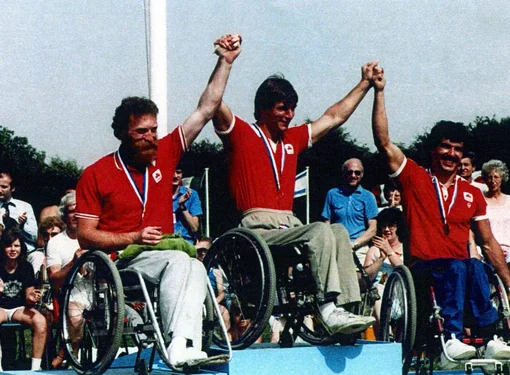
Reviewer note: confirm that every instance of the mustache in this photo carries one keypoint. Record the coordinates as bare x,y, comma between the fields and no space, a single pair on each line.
450,158
147,146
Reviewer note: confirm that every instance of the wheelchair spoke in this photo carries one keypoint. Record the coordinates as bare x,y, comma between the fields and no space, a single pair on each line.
398,313
240,267
92,314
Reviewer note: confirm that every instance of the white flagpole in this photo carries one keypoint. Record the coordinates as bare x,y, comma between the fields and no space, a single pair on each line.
207,202
308,195
158,62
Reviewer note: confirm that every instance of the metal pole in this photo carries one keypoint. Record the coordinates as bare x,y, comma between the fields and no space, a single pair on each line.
158,62
207,202
308,195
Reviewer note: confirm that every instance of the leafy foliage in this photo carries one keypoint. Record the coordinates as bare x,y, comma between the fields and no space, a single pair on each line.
36,182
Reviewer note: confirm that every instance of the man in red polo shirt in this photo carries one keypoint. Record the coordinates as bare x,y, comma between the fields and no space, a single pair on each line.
262,161
125,198
440,205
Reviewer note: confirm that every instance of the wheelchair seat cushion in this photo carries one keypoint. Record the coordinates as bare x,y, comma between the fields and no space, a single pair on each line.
169,242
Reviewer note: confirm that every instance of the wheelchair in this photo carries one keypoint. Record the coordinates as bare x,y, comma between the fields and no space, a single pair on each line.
253,281
94,324
420,331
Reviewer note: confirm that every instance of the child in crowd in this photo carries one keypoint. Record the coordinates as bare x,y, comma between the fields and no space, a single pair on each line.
17,292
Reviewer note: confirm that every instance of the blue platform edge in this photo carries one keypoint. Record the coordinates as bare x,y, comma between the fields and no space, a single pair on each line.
365,357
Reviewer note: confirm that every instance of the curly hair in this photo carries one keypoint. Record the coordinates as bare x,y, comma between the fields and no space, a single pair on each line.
453,131
129,107
495,164
8,238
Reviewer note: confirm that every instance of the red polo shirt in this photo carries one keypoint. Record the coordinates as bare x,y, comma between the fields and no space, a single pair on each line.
252,177
106,191
426,227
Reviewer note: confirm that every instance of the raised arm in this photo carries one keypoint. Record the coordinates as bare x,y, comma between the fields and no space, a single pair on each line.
228,47
392,154
339,113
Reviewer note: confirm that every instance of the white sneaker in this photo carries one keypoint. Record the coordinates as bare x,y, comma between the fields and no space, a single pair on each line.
338,320
497,349
456,350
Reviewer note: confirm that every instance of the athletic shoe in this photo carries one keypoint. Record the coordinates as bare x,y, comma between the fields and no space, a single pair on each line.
456,350
338,320
497,349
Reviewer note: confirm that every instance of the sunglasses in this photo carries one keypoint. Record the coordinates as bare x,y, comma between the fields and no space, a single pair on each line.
350,172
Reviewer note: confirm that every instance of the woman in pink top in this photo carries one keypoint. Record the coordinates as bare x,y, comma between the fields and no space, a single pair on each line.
495,174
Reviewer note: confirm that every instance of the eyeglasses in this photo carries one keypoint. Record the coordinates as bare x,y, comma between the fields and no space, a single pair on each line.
350,172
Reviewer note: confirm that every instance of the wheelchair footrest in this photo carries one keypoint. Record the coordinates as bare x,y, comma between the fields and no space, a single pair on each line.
214,360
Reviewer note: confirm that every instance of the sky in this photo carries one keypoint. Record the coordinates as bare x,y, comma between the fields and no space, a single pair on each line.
66,65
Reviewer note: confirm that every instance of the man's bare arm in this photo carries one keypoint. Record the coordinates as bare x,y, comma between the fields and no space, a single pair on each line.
228,47
90,237
339,113
367,235
192,221
392,154
492,250
223,118
58,274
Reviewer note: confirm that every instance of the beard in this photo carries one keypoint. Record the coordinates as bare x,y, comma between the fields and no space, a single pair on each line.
142,152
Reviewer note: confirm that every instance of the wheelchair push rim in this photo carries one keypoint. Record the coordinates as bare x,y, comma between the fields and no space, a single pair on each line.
242,262
92,313
398,313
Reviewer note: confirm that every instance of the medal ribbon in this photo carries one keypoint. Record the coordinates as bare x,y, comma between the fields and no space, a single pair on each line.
440,200
142,196
276,173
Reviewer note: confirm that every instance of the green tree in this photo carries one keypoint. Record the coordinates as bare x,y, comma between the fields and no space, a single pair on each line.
38,183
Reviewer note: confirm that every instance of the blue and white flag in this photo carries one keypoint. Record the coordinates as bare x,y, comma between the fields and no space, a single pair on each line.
301,185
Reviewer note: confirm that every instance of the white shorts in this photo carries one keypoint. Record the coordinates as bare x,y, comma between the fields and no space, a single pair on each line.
10,312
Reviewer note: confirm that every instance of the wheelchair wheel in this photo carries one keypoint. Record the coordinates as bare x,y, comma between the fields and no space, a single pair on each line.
242,273
92,313
398,313
499,299
207,323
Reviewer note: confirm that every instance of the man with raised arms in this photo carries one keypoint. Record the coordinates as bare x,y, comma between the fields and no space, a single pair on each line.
124,198
262,161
